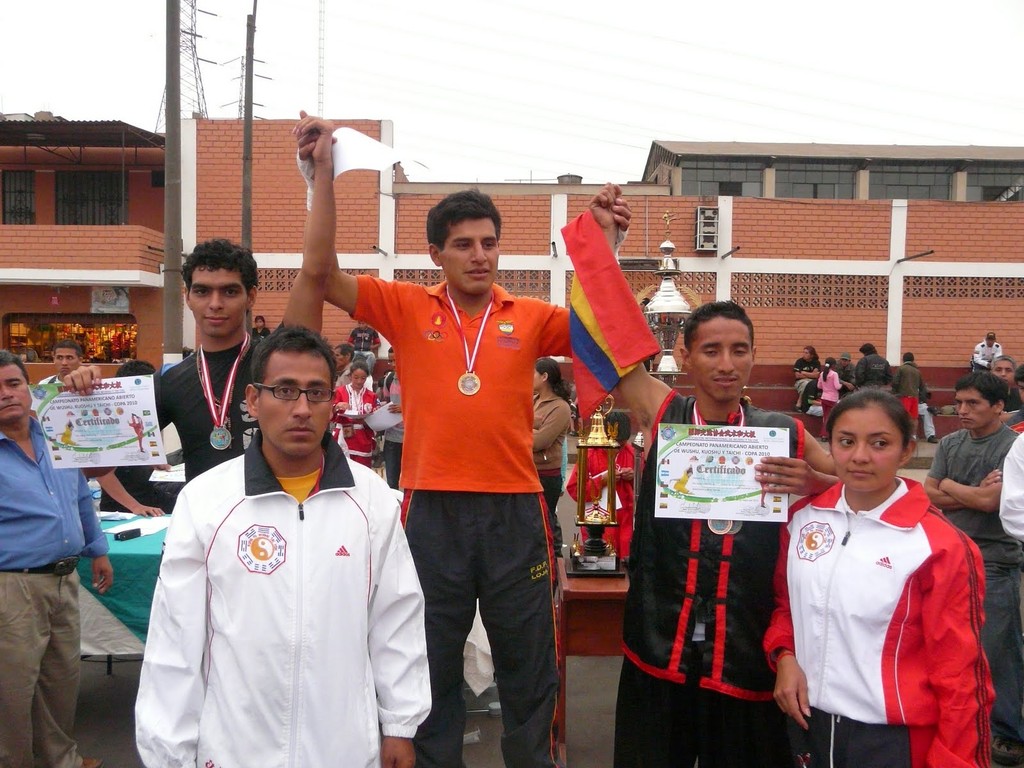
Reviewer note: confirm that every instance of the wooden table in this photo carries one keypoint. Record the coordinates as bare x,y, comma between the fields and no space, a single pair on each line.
589,624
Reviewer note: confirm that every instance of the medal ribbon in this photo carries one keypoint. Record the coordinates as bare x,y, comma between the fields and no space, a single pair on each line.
470,361
738,419
207,385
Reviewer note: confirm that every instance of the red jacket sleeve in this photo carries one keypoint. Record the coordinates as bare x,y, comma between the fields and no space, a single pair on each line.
780,628
952,594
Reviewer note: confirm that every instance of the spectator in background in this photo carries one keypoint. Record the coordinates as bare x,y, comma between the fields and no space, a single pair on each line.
394,437
908,386
965,481
259,328
365,341
1005,368
829,385
986,350
552,418
67,356
343,359
1016,420
872,369
805,370
844,368
351,404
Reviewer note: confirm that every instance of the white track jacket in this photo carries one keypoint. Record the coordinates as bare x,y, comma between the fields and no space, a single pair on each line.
884,612
282,634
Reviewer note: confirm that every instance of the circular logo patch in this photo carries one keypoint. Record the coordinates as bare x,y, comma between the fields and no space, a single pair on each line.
815,540
261,549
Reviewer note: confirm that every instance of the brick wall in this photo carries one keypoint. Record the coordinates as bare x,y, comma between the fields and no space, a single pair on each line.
73,247
278,191
853,230
781,335
525,223
966,231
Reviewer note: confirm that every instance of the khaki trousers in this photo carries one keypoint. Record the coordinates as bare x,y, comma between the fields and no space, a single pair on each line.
39,670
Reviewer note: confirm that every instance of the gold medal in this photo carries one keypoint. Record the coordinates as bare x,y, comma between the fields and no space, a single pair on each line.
469,383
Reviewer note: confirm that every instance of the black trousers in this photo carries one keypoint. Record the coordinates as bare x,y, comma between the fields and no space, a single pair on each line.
839,742
552,486
495,548
661,724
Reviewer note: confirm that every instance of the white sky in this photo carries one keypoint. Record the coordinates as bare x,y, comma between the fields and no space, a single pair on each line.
529,89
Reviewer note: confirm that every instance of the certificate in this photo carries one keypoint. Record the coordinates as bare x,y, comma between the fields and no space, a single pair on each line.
707,472
115,426
382,419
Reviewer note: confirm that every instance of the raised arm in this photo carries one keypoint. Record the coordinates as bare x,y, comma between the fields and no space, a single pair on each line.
319,278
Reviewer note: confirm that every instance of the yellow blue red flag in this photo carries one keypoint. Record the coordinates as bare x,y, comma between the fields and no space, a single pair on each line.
609,333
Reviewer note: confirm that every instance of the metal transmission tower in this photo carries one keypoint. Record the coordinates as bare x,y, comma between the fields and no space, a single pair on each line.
320,61
193,99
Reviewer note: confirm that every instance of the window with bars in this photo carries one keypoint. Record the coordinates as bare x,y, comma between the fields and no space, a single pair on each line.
19,197
90,197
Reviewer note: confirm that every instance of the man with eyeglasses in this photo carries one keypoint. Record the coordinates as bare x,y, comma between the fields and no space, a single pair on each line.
287,622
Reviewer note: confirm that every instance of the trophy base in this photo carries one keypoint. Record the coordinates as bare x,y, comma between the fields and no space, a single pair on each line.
591,565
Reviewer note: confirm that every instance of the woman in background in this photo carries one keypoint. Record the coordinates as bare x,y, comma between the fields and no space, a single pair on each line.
829,387
551,421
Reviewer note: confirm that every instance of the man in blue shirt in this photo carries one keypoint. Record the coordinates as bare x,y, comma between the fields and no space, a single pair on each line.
46,523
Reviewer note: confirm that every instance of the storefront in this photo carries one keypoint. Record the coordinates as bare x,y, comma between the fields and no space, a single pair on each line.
105,338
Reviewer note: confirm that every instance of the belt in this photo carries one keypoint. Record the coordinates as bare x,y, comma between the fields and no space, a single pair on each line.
63,567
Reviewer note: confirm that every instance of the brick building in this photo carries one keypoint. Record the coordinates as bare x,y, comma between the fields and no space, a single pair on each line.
826,265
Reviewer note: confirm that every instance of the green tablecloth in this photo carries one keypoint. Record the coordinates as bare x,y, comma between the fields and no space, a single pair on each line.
117,622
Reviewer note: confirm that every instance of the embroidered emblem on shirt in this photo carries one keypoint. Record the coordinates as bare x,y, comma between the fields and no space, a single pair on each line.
261,548
884,562
438,320
505,326
434,336
342,552
815,540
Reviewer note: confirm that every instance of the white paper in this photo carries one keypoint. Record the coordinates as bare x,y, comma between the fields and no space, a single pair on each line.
146,525
107,516
353,150
707,472
115,426
176,474
382,419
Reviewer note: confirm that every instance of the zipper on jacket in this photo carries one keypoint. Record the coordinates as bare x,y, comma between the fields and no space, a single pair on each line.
297,697
852,519
302,515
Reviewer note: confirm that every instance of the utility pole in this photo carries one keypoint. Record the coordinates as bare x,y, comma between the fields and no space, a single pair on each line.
250,39
172,188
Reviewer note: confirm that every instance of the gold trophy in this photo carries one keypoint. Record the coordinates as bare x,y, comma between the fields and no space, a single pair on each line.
595,511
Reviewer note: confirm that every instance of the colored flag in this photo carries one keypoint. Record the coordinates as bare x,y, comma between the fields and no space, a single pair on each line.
609,333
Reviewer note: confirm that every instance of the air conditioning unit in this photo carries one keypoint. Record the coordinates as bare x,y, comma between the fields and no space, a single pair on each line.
706,238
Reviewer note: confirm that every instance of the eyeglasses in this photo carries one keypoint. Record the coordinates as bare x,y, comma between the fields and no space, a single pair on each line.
288,392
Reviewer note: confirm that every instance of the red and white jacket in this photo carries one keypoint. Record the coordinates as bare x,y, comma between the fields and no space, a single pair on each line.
884,612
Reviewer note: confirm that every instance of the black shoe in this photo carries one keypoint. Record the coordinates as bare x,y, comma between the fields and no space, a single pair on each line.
1007,751
933,439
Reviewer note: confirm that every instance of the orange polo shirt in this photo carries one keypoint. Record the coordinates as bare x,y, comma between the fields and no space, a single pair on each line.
455,442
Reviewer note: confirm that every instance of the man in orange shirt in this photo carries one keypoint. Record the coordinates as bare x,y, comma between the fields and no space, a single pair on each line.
474,516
